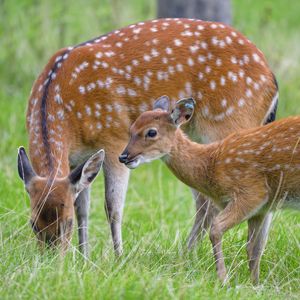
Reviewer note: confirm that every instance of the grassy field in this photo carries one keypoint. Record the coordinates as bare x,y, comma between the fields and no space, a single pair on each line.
159,209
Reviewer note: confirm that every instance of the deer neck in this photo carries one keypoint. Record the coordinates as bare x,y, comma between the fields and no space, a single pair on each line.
49,140
190,162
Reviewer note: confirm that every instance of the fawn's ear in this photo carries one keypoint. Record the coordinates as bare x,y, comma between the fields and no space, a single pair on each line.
82,176
162,103
25,169
183,111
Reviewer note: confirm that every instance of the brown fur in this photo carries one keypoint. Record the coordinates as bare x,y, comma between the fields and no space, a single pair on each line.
118,86
247,174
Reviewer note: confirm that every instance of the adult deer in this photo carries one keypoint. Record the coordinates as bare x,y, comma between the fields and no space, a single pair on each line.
247,174
88,95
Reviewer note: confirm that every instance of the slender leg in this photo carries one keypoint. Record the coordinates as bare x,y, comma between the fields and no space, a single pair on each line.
82,205
205,213
238,210
116,181
258,230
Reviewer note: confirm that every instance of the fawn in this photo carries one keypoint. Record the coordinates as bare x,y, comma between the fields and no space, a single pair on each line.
247,174
88,95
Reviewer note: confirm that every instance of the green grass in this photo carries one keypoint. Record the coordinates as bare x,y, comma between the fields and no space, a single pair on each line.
159,209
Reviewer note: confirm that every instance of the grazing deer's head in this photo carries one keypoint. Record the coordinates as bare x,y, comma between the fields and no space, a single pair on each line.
152,134
52,199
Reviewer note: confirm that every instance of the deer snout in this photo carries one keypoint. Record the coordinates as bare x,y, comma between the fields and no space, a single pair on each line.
123,157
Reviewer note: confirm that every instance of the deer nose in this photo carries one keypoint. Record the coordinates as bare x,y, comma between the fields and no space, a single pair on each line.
123,157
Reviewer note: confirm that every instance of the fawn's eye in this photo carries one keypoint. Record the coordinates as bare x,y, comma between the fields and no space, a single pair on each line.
151,133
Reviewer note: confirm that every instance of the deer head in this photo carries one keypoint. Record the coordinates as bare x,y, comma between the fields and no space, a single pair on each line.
52,199
152,134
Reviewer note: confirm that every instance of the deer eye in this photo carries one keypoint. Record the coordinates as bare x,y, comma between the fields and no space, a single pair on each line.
151,133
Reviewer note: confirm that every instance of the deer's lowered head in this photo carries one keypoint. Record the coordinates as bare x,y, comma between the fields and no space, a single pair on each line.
153,133
52,198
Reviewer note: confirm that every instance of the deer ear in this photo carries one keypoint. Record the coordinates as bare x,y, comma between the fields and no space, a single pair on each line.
183,111
25,169
82,176
162,103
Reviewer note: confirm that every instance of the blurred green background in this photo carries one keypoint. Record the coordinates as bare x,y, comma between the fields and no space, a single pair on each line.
159,210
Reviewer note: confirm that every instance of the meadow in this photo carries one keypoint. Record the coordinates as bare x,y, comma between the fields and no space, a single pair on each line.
159,209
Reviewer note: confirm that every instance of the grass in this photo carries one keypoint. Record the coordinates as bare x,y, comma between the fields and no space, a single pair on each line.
159,209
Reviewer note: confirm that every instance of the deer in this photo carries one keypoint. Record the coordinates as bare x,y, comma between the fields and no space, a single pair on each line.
247,175
88,95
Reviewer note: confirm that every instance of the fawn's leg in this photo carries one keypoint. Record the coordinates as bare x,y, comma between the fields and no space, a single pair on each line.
205,213
82,205
238,210
116,180
258,229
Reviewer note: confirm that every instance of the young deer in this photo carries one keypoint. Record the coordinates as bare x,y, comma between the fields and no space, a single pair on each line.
247,174
88,95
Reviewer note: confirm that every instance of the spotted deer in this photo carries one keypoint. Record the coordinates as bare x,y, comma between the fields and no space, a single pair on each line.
88,95
248,174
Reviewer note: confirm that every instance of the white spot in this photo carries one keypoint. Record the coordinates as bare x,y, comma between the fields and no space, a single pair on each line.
88,110
147,57
233,59
256,57
218,62
177,42
190,61
99,54
248,93
228,40
233,33
241,42
98,125
222,80
227,160
135,62
241,73
241,102
179,67
58,99
154,53
200,27
186,33
263,78
169,50
201,58
60,114
164,60
137,80
137,30
109,53
119,44
121,90
200,75
229,111
248,80
214,40
79,115
108,107
131,92
246,59
213,26
212,85
203,45
207,69
194,48
154,29
81,89
224,103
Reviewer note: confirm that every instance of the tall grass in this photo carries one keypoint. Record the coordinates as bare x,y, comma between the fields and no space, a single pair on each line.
159,210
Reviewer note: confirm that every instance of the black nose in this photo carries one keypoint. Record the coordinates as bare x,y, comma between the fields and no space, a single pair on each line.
123,157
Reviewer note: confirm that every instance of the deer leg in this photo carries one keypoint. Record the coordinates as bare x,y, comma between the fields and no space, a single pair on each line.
258,229
239,209
82,205
116,180
205,213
